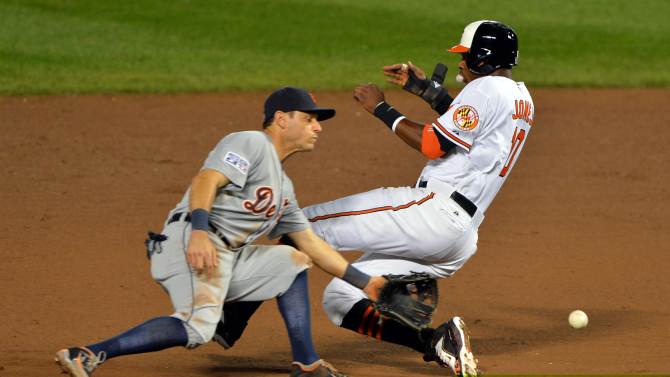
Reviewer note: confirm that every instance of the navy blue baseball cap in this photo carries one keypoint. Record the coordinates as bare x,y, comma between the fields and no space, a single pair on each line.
294,99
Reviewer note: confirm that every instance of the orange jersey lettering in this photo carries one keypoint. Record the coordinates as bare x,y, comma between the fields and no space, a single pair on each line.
524,111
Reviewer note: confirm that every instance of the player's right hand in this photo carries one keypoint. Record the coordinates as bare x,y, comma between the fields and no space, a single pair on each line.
398,74
201,253
369,96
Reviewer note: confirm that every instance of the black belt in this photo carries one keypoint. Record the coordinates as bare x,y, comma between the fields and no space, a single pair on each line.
461,200
178,216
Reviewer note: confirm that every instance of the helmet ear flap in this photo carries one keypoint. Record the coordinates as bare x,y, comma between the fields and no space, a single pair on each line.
478,65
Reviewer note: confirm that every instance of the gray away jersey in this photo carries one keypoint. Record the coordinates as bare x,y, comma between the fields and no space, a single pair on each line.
260,197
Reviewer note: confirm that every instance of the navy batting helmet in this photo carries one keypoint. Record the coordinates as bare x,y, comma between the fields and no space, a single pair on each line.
488,45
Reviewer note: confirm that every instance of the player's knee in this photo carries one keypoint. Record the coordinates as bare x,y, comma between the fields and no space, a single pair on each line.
195,339
338,298
200,325
301,259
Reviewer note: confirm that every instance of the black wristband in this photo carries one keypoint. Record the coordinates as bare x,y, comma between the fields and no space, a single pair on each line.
356,277
387,114
199,219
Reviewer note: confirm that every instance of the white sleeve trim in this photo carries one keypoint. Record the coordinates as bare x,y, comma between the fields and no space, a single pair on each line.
396,122
439,127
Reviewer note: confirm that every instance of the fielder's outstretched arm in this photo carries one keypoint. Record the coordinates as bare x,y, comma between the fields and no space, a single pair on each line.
333,263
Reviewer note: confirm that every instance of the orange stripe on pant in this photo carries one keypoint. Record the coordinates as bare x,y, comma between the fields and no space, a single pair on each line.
361,328
379,328
373,210
373,322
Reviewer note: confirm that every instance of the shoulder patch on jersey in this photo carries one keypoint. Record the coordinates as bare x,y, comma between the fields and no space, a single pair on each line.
466,117
237,161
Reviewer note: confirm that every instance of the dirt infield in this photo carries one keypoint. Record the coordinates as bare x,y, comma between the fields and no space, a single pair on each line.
581,223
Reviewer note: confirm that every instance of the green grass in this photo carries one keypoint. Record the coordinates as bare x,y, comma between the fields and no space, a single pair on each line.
77,46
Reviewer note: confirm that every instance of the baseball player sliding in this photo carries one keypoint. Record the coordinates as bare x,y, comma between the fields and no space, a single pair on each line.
205,257
432,227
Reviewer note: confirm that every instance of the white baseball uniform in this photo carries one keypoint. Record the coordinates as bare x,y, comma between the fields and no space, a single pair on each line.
430,227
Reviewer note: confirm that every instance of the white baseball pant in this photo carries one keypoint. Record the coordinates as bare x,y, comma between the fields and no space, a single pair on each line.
399,230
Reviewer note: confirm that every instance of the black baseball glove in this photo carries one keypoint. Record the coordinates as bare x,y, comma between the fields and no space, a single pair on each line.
410,299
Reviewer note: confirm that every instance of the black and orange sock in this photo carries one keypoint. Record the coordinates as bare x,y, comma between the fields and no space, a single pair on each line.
364,319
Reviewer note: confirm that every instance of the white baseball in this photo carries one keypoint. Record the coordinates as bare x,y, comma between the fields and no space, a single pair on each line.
405,67
578,319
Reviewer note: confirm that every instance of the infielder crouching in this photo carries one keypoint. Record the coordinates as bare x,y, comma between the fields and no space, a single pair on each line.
205,257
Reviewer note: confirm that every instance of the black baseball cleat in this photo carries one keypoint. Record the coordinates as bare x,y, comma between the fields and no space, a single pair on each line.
450,347
79,361
235,319
222,336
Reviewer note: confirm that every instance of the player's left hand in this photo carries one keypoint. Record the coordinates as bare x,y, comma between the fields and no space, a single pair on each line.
375,286
399,73
410,299
369,96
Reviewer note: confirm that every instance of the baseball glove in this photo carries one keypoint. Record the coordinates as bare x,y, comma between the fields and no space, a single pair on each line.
410,299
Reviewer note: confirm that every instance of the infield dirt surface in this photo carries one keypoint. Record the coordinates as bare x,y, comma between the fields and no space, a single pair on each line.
580,224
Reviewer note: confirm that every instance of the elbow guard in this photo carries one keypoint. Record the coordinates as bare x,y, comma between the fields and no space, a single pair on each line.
430,145
437,97
442,101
